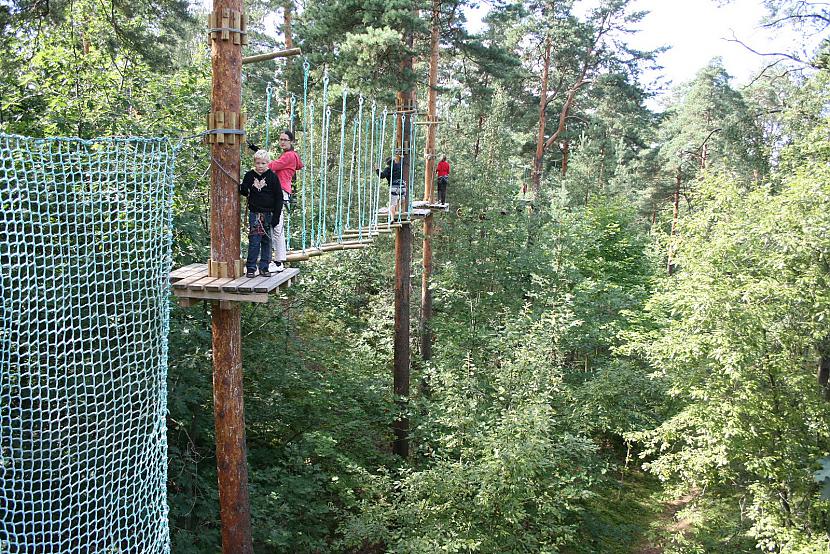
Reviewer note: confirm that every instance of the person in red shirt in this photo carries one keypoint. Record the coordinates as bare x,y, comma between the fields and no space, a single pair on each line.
443,170
285,167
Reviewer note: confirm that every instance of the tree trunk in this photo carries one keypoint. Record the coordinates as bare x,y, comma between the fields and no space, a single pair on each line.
566,152
540,137
403,272
228,402
670,264
287,30
429,174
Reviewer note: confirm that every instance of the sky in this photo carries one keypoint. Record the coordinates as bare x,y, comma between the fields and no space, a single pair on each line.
696,31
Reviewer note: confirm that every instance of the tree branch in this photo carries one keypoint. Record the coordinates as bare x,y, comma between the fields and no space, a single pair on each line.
768,54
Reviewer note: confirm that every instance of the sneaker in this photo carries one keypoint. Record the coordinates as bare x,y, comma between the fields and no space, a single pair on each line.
250,274
264,273
279,267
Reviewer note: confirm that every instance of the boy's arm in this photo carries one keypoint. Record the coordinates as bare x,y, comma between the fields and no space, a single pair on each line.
245,185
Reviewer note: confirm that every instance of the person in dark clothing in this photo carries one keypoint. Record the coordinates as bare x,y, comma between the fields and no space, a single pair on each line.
393,173
262,188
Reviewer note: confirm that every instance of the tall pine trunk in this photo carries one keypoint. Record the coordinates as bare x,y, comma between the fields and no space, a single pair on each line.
543,101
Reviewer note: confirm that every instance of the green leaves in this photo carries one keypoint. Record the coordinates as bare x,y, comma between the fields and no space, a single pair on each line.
822,477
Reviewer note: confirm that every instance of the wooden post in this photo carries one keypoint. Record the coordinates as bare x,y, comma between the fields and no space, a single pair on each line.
405,101
426,292
429,176
403,259
228,404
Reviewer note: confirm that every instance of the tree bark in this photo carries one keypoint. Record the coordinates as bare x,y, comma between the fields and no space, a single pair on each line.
675,214
228,402
540,136
429,175
566,152
287,30
403,271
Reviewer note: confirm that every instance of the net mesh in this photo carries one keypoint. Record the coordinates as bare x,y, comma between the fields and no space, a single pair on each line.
85,250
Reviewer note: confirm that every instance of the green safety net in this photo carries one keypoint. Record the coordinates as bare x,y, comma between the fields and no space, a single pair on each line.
85,250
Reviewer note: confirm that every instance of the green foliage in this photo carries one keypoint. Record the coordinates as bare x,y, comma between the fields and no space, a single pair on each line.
745,315
560,355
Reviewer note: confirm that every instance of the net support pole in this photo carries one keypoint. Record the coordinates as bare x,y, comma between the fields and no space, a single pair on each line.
403,270
429,174
228,405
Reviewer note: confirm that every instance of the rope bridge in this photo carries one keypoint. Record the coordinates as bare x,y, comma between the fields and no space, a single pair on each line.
85,251
340,194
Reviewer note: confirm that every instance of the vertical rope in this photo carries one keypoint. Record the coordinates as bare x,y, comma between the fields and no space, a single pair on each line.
323,225
351,174
369,163
313,234
306,67
292,114
413,134
325,114
268,91
380,165
365,217
339,216
359,163
287,213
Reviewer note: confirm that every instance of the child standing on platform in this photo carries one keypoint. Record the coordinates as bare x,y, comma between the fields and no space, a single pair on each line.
262,188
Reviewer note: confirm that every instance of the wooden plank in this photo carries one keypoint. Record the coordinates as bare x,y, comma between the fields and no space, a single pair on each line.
185,271
219,296
184,283
232,285
201,283
275,281
353,242
331,247
356,246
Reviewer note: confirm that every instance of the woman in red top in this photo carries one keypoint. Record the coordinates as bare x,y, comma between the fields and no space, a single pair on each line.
443,170
285,167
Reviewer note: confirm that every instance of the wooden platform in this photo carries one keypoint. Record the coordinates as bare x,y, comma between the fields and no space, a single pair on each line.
435,207
191,283
415,213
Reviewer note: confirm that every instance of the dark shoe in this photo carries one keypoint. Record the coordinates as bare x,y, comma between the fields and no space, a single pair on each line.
250,274
264,273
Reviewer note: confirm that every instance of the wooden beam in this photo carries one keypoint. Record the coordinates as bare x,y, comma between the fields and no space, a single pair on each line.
228,402
272,55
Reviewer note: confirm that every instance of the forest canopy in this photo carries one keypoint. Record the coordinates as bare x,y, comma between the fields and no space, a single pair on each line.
631,327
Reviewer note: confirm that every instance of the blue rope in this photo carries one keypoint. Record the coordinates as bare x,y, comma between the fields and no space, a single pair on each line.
339,217
268,90
306,67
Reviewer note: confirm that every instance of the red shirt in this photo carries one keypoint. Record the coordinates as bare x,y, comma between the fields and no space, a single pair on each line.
443,168
285,167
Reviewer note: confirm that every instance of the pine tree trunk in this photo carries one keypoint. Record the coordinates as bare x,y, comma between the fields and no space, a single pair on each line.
287,30
429,173
670,265
540,138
